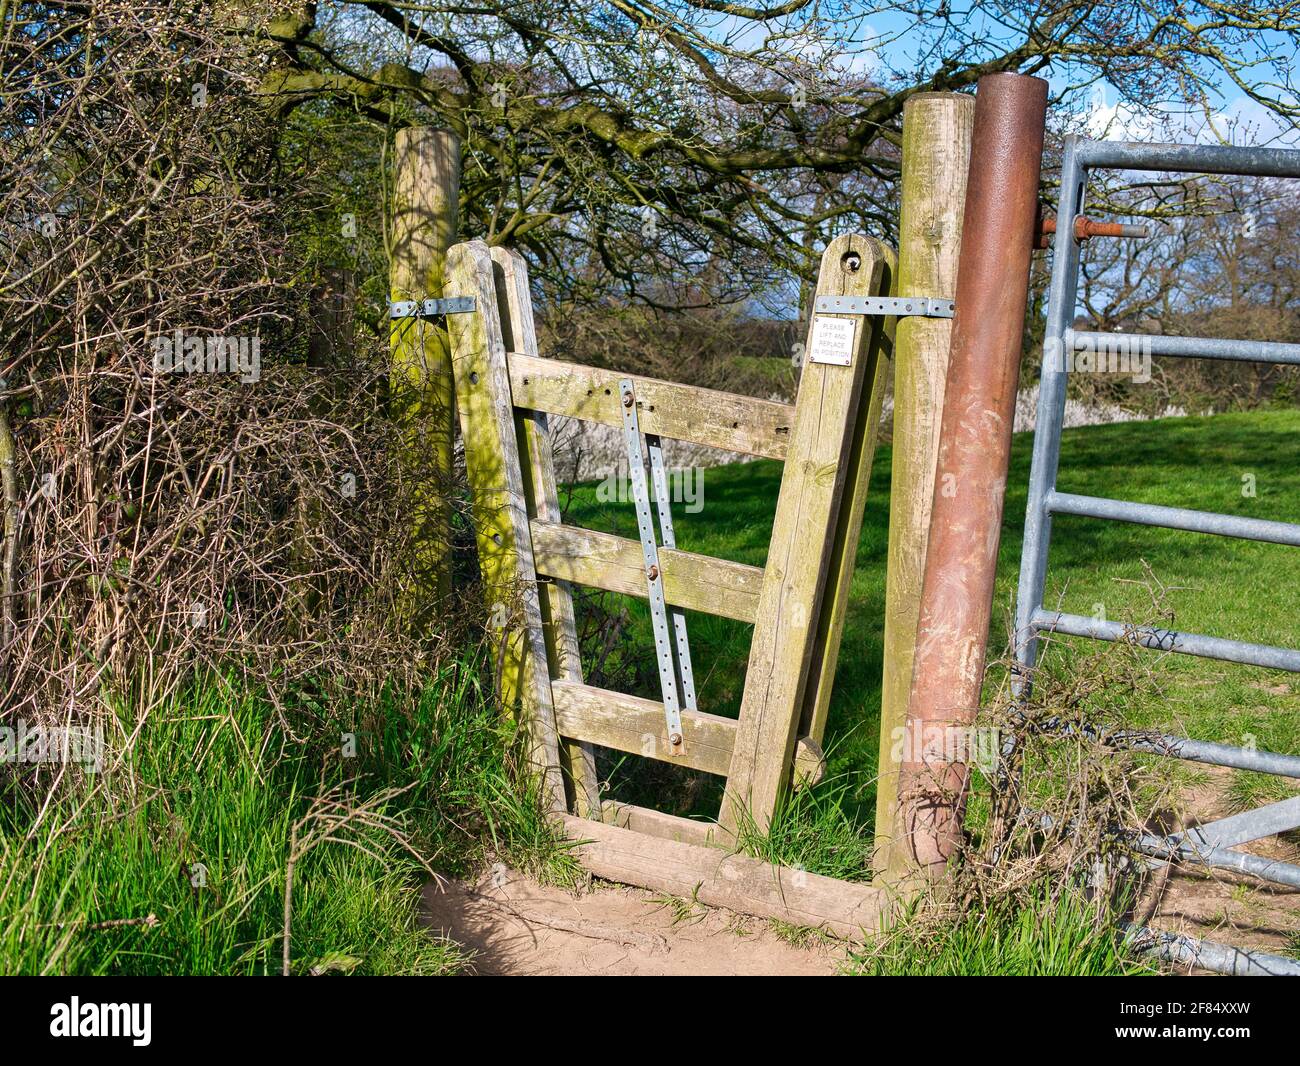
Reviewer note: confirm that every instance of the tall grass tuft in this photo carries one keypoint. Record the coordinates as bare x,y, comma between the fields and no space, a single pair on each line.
174,859
1047,935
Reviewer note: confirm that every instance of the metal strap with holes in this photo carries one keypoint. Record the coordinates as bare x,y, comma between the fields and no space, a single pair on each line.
895,306
453,305
663,505
668,681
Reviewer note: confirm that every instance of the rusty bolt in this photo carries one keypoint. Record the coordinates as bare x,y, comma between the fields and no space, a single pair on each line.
628,400
675,739
1084,228
653,573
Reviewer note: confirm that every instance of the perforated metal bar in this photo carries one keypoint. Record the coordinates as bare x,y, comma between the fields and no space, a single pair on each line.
452,305
654,578
895,306
663,507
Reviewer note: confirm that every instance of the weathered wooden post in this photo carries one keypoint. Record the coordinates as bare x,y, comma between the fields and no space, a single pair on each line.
936,155
426,191
843,356
971,473
499,495
331,318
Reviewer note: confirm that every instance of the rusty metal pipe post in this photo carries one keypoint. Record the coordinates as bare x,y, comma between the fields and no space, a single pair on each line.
998,233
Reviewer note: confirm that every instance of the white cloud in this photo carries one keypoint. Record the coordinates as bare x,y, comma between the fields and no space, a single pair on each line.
1241,121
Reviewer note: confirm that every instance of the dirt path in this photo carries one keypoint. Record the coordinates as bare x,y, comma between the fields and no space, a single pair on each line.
515,927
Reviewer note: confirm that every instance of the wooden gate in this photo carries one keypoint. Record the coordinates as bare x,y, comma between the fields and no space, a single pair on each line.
796,603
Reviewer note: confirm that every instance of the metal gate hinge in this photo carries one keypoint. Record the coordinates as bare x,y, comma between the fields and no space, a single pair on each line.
898,306
452,305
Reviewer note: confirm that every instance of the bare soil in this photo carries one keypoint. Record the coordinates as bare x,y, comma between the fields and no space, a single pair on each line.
515,927
510,925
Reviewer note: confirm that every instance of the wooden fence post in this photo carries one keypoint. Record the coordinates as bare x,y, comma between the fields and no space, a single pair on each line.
332,335
936,154
500,508
801,553
533,430
426,191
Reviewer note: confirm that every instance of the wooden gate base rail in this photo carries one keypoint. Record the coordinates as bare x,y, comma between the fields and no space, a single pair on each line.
719,879
659,824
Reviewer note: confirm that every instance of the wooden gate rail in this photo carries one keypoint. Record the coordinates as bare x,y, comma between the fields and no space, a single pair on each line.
504,395
635,725
605,561
680,412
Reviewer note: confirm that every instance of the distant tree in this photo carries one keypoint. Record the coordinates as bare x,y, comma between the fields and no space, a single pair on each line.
631,142
1221,262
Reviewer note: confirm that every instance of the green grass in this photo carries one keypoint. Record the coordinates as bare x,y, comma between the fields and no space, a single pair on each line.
176,863
1061,937
1214,585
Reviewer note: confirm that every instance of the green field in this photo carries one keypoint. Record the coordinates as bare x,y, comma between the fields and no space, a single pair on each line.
1222,587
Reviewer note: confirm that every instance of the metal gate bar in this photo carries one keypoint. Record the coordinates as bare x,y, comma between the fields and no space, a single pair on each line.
1208,845
1206,751
1282,873
1185,347
1202,751
1220,957
1234,651
1187,158
1183,518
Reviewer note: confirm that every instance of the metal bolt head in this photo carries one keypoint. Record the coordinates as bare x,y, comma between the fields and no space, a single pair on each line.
675,739
628,399
653,573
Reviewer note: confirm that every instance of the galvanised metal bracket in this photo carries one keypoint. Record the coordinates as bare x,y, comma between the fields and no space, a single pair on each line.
897,306
453,305
671,650
663,507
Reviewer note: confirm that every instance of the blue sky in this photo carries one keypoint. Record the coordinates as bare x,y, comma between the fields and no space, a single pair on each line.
872,40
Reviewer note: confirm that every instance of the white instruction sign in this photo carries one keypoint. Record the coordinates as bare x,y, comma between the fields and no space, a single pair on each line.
832,340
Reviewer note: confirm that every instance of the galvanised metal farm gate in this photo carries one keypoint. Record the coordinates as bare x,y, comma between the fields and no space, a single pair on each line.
1214,845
